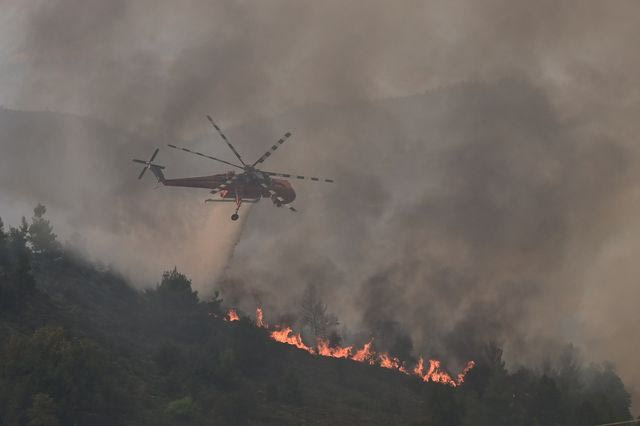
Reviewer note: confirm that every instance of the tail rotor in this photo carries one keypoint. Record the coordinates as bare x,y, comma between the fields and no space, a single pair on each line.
148,164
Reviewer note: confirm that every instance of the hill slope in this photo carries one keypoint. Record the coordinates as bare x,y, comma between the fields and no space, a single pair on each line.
79,346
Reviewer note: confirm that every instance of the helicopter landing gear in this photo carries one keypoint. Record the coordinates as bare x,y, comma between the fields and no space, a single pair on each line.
235,216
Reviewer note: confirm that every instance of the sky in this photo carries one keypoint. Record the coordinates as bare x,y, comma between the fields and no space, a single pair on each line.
484,152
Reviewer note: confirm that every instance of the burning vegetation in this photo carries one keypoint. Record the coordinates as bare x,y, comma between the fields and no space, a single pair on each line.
366,354
186,369
232,315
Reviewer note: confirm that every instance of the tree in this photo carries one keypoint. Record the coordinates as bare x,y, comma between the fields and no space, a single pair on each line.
3,235
175,290
40,232
547,402
74,373
4,254
214,304
168,357
313,312
42,411
18,282
182,410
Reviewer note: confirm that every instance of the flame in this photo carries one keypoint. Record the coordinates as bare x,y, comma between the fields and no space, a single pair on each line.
365,354
419,369
260,318
338,352
435,374
284,334
387,361
464,371
232,315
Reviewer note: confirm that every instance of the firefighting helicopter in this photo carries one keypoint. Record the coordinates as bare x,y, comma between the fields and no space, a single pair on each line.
248,186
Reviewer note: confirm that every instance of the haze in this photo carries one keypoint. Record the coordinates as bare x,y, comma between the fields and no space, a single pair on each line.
484,154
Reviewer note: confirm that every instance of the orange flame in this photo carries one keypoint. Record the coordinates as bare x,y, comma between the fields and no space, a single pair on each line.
464,372
285,336
387,361
232,315
260,318
338,352
435,374
366,354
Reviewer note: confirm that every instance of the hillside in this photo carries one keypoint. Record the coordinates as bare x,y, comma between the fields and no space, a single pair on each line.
80,346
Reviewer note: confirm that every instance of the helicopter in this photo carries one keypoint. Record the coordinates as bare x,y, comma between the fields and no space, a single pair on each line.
248,186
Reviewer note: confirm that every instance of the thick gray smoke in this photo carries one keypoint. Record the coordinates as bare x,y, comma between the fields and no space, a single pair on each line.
483,151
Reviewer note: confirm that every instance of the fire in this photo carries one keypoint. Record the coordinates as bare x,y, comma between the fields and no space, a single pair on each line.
338,352
435,374
285,335
260,318
419,369
232,315
465,370
387,361
366,354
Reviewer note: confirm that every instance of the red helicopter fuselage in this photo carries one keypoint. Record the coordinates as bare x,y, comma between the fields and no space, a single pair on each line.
245,190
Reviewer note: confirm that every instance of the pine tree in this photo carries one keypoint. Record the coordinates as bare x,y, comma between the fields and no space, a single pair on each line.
4,261
175,290
19,282
42,411
3,235
40,232
313,312
4,256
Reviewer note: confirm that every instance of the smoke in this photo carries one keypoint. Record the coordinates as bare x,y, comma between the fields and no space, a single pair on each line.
484,156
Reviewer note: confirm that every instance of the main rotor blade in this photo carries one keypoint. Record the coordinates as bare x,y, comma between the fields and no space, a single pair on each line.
142,172
273,148
286,175
226,140
135,160
154,155
205,156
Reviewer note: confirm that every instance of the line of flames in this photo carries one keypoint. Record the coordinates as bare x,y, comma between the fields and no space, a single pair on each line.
366,354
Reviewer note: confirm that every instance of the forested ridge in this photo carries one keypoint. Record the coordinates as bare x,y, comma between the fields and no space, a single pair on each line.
80,346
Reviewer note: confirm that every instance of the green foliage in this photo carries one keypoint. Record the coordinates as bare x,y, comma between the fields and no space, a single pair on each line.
214,304
3,244
234,408
442,406
16,280
46,366
157,347
169,357
42,411
175,291
182,410
40,233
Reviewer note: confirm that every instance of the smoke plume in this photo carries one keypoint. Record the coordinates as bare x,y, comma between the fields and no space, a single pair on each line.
483,153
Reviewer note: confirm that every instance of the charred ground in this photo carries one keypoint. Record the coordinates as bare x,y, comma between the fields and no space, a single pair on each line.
80,346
